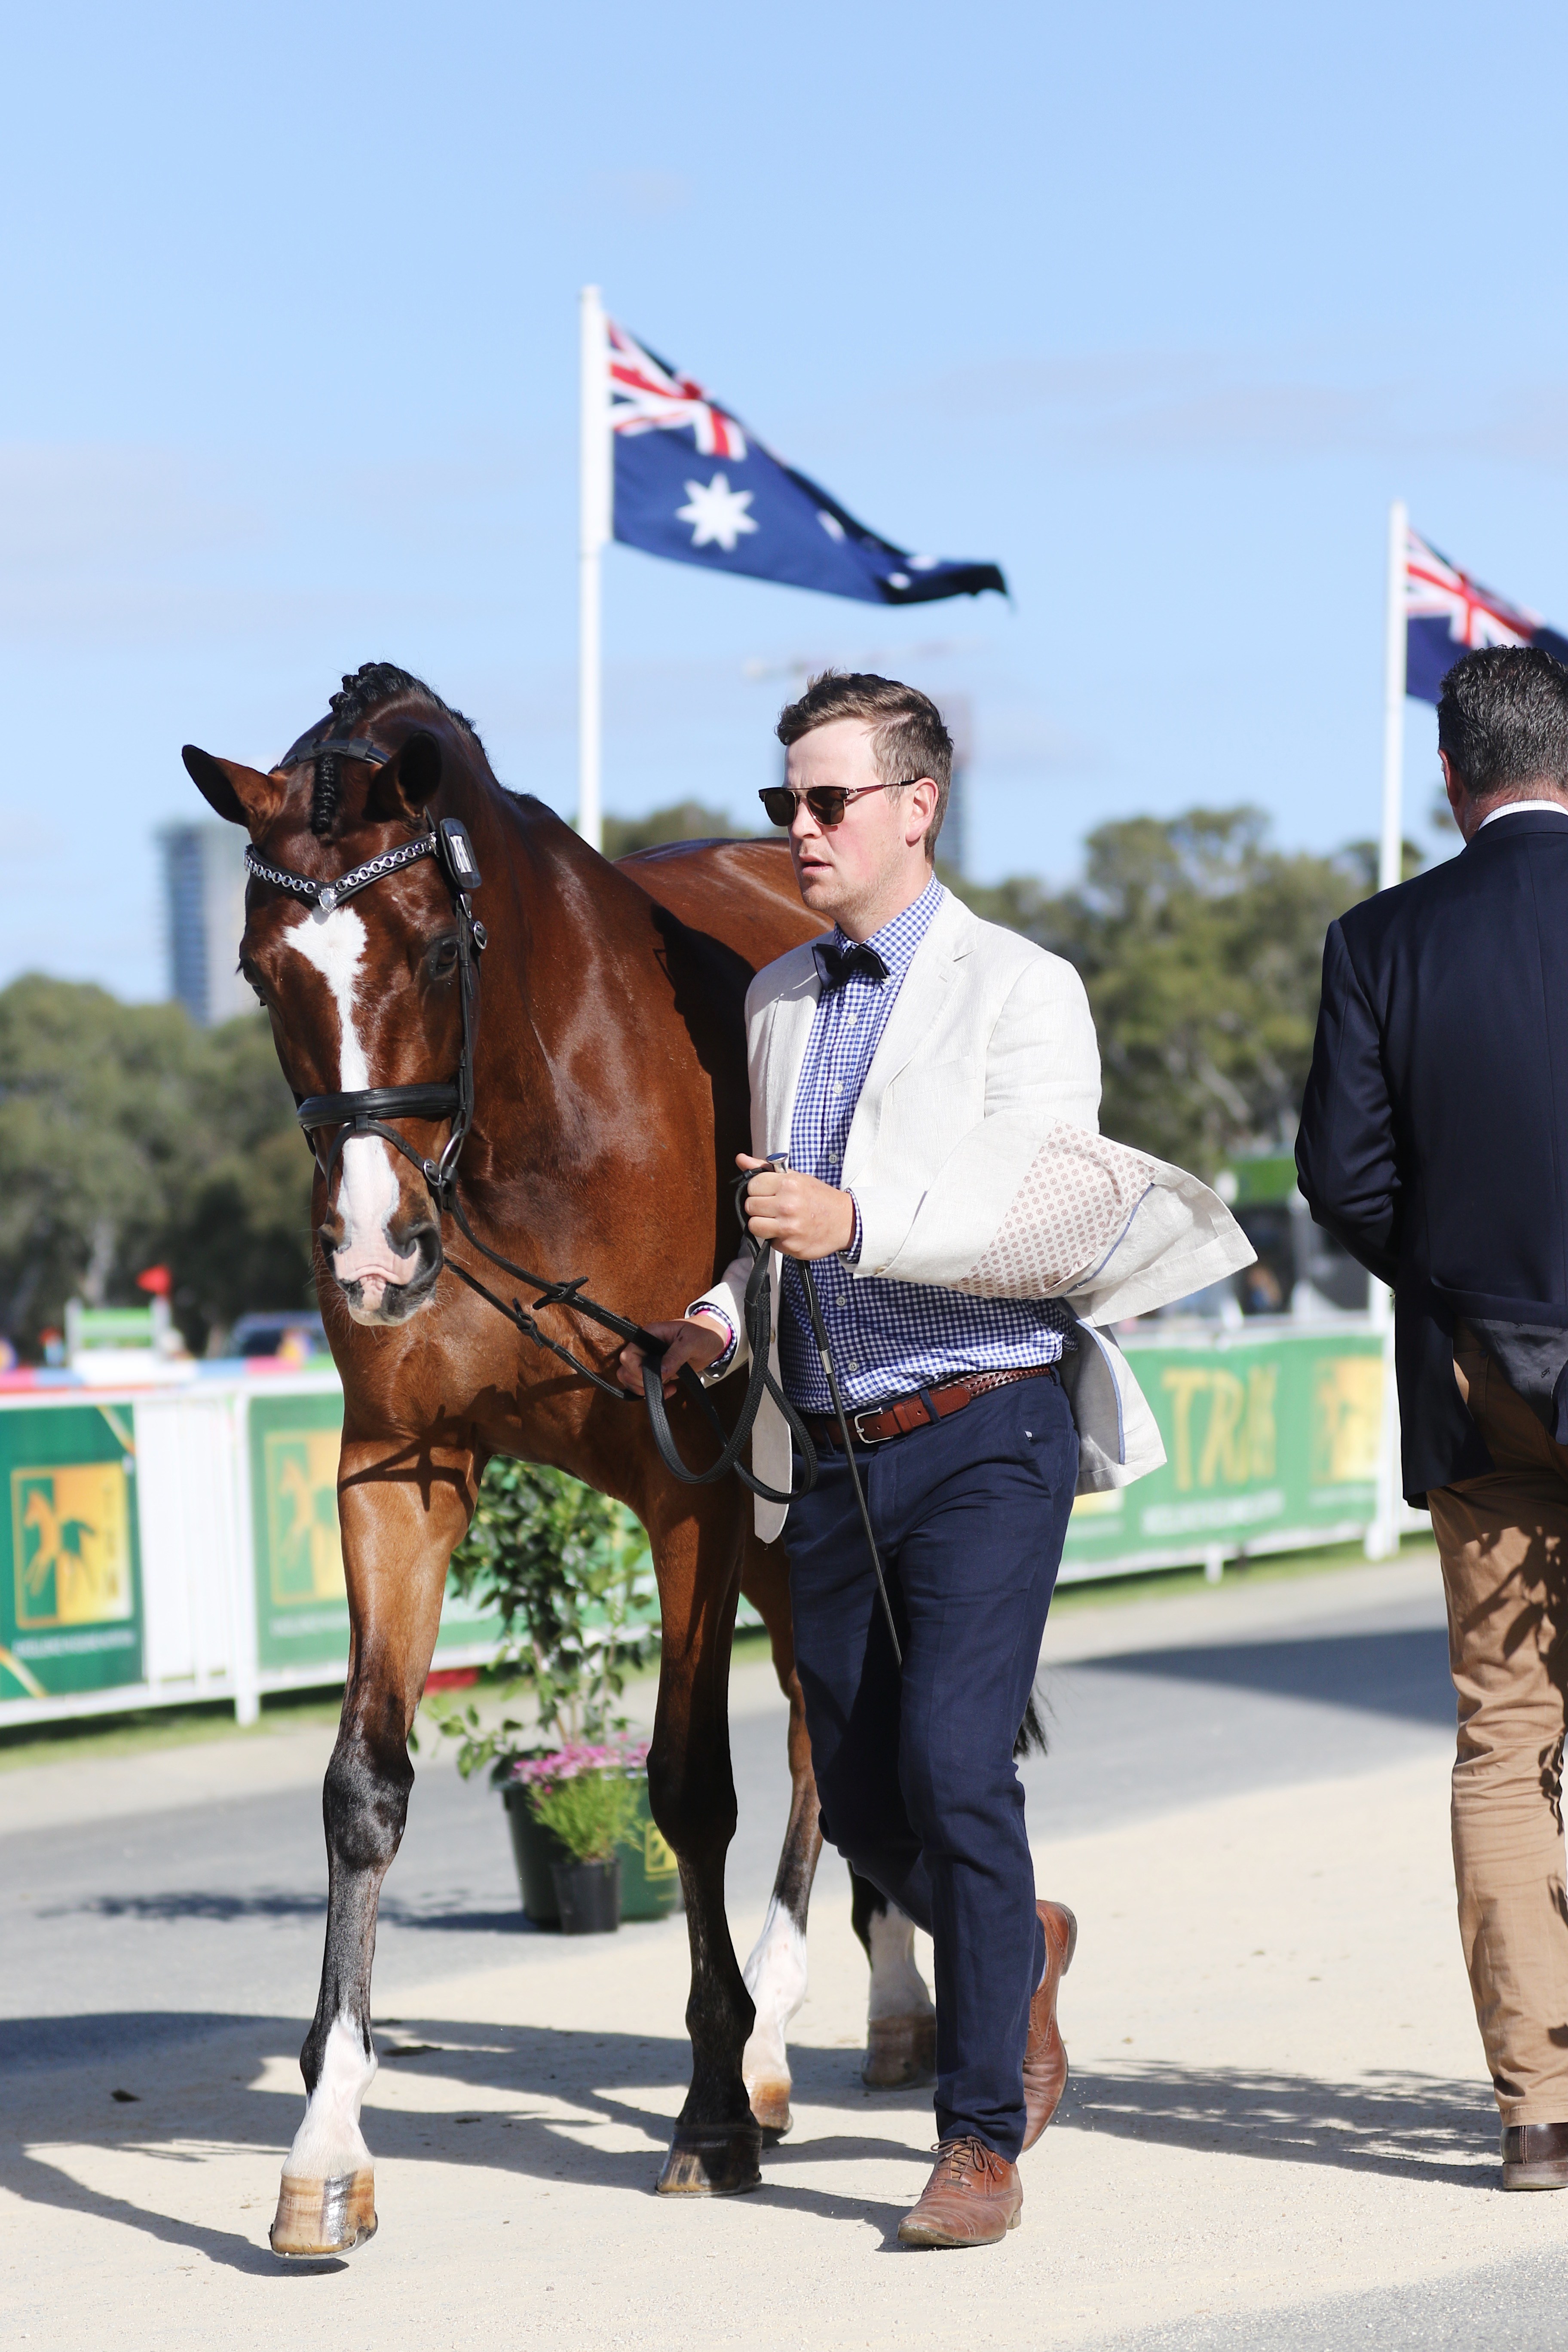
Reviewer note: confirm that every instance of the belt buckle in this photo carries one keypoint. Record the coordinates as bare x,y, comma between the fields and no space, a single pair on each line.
855,1421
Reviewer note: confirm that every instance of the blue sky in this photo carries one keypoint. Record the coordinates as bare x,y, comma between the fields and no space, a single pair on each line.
1156,308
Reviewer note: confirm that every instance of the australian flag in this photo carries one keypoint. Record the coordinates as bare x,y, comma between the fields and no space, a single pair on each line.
1447,613
694,484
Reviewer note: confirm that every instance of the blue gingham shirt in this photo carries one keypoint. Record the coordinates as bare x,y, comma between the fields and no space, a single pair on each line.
887,1338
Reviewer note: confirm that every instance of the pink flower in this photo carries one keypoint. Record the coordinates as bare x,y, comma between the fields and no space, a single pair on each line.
579,1756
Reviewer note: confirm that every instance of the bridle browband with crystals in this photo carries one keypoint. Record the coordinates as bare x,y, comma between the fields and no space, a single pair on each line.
363,1111
328,895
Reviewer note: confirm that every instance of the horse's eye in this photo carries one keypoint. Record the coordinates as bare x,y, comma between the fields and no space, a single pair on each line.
247,974
446,955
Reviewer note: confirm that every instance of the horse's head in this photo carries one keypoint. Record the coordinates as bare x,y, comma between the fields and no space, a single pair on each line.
366,993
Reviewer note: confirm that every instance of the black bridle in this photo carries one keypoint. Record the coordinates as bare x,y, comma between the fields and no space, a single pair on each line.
366,1111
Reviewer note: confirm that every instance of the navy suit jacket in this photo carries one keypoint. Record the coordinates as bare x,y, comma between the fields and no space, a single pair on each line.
1434,1137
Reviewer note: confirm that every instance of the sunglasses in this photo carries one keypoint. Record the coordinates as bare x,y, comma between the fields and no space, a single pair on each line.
826,802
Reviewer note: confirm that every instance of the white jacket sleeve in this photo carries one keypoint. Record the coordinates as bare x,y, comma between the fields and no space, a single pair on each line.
1041,1071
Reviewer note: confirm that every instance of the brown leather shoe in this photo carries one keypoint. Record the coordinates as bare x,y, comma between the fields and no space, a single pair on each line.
1535,2156
973,2197
1044,2054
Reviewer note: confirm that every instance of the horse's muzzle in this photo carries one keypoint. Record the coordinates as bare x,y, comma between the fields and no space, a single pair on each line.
390,1286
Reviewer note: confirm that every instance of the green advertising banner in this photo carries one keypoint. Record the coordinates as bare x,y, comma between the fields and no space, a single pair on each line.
1268,1441
70,1580
301,1602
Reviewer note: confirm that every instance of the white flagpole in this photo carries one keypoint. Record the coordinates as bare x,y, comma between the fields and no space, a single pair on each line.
1383,1535
1391,853
594,493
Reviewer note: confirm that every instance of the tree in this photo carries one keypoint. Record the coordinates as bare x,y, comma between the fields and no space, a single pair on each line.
128,1137
687,821
570,1574
237,1232
1201,948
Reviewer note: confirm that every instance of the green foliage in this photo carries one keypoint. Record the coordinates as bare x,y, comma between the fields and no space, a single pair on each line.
569,1573
590,1813
687,821
1201,948
131,1138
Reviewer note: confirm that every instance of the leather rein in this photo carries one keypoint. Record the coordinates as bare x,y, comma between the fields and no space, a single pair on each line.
366,1110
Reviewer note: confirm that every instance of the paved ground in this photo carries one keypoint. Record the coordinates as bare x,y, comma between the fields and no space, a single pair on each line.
1277,2129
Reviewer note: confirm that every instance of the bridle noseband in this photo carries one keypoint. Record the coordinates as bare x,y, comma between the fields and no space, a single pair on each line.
364,1111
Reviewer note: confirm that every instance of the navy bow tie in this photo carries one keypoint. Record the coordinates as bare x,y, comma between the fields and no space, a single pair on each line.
836,964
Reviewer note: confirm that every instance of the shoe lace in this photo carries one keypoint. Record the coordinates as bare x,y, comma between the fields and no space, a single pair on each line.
963,2154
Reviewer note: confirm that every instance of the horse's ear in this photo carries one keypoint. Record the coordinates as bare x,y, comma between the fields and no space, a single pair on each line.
244,795
408,782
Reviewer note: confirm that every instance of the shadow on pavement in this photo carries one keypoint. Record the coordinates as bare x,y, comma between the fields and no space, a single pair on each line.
1402,1674
192,2077
199,1903
1408,2125
194,2090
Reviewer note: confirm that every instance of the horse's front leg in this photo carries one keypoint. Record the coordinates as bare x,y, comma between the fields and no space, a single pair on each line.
775,1972
691,1790
401,1516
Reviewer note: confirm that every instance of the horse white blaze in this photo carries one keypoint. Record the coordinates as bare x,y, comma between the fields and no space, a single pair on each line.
898,1988
367,1192
776,1979
330,2143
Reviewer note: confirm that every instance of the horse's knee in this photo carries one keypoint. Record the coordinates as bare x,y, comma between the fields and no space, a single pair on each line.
364,1800
692,1807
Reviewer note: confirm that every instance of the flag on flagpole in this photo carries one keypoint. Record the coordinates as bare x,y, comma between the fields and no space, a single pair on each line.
692,483
1448,613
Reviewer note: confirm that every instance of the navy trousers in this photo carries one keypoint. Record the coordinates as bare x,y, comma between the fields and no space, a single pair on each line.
915,1771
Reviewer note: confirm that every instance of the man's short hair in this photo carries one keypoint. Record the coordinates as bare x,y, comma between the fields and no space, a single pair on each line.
908,738
1502,718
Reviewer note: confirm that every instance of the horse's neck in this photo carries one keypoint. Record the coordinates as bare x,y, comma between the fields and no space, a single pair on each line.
565,1001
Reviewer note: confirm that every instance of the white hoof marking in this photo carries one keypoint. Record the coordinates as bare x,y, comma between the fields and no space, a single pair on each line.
330,2142
776,1979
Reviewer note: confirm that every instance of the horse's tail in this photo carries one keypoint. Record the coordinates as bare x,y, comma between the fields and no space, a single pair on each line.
1033,1738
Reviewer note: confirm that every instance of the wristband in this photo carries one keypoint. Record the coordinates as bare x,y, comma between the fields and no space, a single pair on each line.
726,1356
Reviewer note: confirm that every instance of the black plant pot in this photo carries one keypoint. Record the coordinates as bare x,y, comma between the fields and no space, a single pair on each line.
650,1883
536,1850
588,1895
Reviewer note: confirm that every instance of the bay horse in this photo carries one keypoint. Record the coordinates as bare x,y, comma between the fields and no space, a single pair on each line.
608,1098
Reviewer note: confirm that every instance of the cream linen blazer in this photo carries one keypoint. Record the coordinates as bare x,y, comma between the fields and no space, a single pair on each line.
975,1157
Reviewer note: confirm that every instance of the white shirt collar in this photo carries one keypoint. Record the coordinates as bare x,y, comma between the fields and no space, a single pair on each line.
1521,808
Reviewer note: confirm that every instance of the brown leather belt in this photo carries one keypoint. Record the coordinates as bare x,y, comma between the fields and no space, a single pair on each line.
919,1410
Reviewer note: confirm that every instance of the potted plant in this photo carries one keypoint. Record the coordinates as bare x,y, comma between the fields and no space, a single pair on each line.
585,1797
569,1573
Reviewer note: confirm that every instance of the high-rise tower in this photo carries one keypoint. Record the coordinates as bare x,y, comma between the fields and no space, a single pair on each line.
204,915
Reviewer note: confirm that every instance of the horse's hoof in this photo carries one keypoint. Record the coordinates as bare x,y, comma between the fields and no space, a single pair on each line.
317,2217
770,2106
900,2052
712,2160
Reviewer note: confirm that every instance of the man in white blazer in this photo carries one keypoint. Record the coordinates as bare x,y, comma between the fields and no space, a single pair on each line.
934,1081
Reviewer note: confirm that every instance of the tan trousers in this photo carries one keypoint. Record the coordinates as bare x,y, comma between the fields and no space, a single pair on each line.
1503,1540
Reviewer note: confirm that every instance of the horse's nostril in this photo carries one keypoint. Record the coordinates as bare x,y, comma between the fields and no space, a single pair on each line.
425,1238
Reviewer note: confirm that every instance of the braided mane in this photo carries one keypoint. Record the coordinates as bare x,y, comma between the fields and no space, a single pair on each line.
372,684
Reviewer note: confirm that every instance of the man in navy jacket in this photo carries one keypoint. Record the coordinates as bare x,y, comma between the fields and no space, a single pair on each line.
1433,1144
